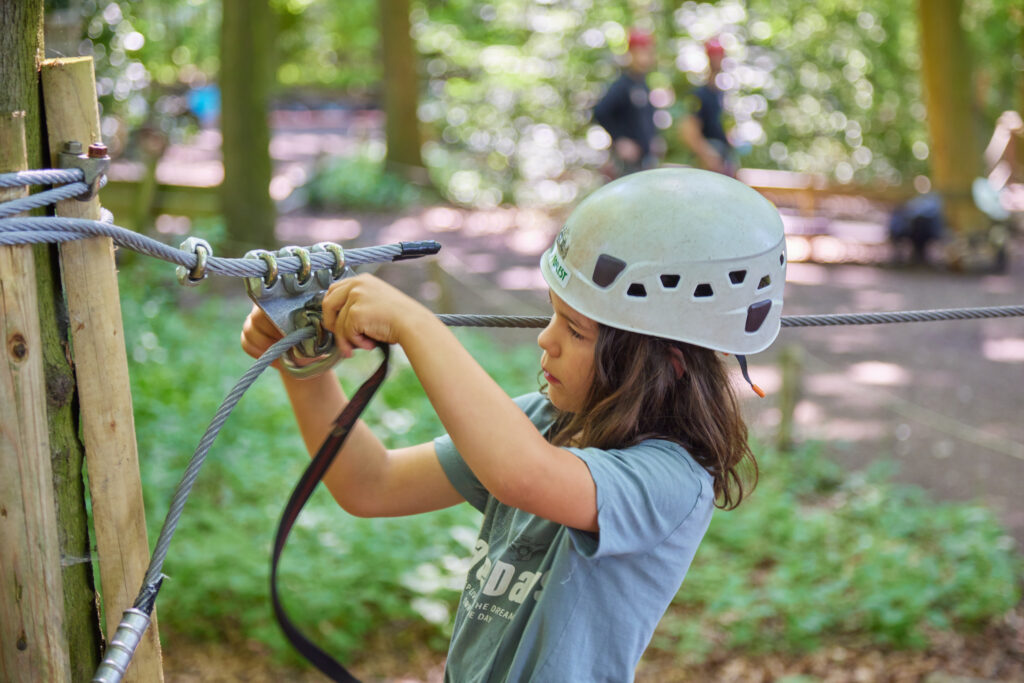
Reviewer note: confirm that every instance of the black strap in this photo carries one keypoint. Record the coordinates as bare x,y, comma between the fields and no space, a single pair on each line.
303,490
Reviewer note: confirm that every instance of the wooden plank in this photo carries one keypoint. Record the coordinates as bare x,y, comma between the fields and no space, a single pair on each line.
33,646
101,370
177,200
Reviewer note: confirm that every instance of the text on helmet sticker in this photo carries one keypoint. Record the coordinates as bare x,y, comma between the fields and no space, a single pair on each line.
560,272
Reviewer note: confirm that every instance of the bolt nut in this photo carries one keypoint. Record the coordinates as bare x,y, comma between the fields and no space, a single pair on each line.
73,147
97,150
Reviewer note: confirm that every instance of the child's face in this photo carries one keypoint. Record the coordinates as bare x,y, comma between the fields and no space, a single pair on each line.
568,359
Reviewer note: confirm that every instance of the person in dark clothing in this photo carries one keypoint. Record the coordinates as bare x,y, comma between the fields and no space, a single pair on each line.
702,130
917,223
626,111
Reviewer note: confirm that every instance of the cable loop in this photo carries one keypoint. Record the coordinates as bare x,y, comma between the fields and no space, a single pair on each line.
270,278
203,251
305,270
339,256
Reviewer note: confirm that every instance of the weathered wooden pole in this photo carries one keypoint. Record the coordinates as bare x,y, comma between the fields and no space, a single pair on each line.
21,50
101,368
33,646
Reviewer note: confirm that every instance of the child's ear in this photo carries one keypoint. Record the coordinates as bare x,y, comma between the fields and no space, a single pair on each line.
678,364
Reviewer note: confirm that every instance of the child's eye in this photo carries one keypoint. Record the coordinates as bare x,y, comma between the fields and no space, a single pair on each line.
575,334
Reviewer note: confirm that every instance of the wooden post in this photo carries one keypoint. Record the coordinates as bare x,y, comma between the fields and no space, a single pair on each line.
101,370
33,646
789,394
955,152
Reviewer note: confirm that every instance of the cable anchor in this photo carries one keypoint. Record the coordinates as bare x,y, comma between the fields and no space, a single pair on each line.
93,163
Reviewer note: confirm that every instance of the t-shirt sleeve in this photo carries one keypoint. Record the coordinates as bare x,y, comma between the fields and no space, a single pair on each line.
643,494
537,408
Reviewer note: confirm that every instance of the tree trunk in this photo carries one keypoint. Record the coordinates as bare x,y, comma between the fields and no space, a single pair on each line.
245,79
21,50
955,149
401,91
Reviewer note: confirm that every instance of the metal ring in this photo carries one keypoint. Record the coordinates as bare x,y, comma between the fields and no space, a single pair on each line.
270,278
339,258
199,272
203,251
305,265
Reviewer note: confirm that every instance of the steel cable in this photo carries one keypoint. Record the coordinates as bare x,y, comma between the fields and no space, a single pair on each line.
48,176
183,489
31,230
534,321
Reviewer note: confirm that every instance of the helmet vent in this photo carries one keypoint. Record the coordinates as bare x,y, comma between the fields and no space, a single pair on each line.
756,314
782,259
765,281
636,289
669,281
607,269
703,291
737,276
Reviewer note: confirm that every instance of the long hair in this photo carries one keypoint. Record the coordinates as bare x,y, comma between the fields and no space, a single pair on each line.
636,395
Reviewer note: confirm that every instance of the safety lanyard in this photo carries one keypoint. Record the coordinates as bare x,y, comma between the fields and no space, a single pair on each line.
303,490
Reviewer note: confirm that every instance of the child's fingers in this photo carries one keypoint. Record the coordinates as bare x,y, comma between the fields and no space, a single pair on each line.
333,301
258,333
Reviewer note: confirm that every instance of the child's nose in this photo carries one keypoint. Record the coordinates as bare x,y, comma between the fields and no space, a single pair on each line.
545,340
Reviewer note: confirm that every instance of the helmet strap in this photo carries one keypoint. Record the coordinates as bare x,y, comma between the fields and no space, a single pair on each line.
746,375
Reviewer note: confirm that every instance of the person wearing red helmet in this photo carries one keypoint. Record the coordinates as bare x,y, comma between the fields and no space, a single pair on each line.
702,130
626,112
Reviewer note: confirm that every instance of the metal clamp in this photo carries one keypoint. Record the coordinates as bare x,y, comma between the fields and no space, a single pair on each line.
294,300
203,251
270,278
339,257
94,164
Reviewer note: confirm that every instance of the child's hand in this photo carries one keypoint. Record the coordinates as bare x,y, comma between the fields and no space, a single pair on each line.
364,310
258,334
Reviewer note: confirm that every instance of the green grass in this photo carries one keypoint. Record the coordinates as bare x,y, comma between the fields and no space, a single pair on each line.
361,182
815,554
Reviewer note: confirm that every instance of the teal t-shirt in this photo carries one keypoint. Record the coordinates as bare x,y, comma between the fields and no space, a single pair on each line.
544,602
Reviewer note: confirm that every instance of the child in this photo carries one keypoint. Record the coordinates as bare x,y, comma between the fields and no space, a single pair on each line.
596,491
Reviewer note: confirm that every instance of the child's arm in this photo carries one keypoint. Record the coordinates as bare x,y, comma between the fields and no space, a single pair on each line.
504,449
365,478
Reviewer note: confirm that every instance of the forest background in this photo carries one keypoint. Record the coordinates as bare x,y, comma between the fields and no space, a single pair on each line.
829,565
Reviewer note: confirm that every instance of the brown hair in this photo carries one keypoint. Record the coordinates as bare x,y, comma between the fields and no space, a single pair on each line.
635,395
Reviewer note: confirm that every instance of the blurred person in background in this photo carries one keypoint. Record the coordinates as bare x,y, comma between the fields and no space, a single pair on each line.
626,112
702,128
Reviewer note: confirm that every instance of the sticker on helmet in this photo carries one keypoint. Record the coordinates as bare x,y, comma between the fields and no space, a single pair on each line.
562,241
560,272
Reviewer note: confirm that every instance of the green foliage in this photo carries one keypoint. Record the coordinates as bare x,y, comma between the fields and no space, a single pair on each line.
813,556
361,182
507,86
815,553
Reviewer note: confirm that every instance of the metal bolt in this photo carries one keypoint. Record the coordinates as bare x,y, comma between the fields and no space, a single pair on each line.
73,147
97,150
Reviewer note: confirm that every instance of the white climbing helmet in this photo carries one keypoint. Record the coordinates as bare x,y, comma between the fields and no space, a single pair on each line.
678,253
